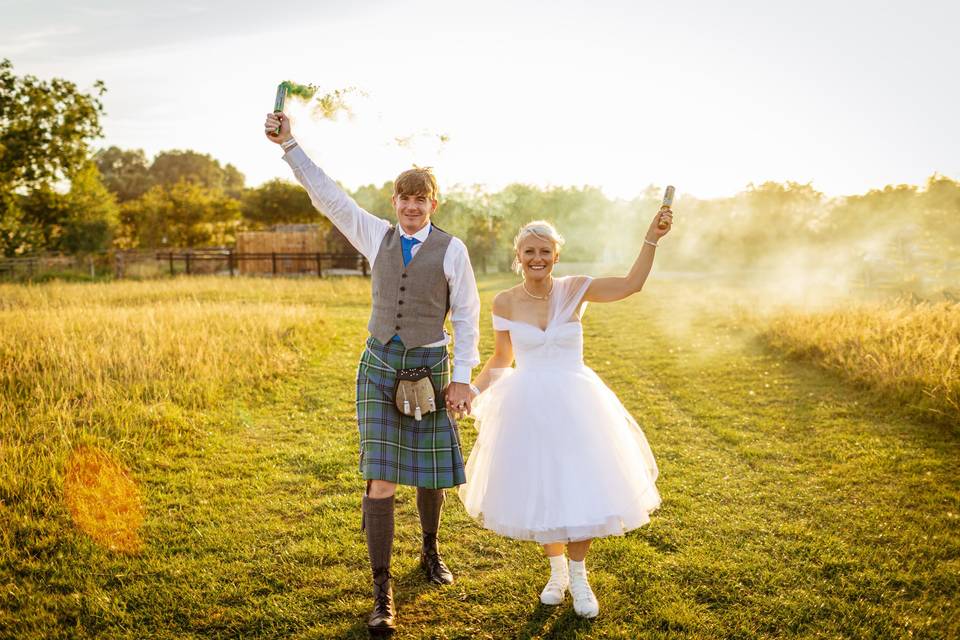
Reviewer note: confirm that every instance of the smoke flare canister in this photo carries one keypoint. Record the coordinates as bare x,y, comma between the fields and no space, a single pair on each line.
666,204
279,101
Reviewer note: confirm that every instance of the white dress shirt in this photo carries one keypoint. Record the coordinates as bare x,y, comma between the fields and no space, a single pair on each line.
366,231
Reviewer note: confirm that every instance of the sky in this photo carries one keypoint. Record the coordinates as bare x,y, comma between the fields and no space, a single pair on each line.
707,96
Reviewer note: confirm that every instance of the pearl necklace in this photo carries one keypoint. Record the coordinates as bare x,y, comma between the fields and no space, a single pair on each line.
543,297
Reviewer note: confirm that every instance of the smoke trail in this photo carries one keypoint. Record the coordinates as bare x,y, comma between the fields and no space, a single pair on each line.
423,142
327,106
331,104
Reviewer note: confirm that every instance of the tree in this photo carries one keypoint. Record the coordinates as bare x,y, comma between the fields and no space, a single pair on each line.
45,132
126,173
279,202
45,128
185,214
92,214
377,200
17,235
470,216
171,167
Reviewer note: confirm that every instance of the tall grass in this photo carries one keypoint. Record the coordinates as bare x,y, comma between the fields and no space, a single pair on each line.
130,365
907,351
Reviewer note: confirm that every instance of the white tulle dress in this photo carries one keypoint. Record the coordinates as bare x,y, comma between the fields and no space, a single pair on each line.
557,457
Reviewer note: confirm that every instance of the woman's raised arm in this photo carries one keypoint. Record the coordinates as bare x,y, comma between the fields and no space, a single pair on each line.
617,288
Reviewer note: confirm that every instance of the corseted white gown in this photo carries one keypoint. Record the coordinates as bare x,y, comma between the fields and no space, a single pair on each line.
557,456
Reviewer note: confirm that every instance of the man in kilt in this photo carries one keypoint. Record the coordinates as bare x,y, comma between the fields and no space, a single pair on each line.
420,274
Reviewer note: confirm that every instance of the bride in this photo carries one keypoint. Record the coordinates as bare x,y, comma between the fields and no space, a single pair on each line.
558,460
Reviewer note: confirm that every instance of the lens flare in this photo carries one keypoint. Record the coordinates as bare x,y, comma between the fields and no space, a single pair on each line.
103,500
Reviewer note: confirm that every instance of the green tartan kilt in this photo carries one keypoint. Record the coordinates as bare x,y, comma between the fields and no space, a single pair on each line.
397,448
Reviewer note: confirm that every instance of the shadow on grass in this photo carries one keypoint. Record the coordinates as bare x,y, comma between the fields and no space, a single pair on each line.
554,622
407,589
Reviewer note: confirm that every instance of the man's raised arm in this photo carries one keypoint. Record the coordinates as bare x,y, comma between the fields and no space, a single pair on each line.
364,230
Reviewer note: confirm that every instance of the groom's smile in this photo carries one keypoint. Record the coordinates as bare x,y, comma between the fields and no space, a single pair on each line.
413,211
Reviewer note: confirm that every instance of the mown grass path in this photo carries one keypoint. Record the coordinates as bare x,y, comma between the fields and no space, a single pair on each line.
793,506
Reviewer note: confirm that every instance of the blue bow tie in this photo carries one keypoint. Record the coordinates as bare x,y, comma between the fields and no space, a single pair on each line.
406,246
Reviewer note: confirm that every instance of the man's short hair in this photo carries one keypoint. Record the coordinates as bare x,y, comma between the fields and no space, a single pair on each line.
418,181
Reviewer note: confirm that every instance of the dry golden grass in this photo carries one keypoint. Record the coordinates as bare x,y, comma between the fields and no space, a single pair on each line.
905,350
129,365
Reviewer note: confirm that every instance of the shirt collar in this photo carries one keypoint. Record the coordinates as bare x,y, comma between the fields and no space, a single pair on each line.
419,235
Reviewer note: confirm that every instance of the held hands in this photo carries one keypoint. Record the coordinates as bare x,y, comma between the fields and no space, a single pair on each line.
273,121
654,233
458,398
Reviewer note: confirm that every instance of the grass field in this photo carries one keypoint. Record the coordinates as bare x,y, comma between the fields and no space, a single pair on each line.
221,417
908,352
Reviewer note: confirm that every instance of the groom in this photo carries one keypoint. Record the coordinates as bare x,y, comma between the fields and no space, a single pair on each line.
420,274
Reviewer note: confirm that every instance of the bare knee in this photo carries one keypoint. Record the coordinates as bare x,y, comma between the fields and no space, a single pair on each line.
380,489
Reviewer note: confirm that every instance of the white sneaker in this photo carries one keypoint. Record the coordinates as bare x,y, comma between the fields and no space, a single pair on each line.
584,602
552,594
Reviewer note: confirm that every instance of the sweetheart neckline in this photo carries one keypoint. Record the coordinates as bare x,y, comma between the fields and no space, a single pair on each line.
530,324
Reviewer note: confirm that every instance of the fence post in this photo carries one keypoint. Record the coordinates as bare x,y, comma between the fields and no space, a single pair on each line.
363,265
319,266
187,259
230,261
273,256
170,258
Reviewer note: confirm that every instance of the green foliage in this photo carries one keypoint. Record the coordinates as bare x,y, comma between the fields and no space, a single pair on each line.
184,214
45,128
82,220
45,131
18,235
473,217
377,200
125,173
92,214
279,202
170,167
44,209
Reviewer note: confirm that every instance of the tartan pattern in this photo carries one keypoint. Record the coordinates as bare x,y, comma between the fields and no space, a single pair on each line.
395,447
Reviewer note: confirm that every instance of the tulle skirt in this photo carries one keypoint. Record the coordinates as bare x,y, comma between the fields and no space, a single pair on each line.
557,459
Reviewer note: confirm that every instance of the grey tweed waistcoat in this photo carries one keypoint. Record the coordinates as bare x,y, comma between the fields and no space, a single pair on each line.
410,301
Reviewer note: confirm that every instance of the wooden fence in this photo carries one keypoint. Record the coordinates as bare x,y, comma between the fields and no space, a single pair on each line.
205,261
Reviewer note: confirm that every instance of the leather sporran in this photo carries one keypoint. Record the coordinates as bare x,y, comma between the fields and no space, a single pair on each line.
414,394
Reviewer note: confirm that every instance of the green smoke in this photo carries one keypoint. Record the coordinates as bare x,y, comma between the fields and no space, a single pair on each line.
329,105
303,91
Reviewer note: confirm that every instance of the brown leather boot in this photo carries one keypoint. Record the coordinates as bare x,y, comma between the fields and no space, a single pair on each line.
431,562
380,623
429,505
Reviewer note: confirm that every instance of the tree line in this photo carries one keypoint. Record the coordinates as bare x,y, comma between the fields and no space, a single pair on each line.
59,194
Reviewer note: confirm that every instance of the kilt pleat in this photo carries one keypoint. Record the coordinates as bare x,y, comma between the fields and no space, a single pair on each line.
397,448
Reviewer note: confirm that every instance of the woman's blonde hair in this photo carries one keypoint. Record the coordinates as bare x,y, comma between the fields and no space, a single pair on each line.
541,229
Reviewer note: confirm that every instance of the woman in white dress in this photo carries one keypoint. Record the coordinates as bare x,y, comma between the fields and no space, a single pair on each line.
558,459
